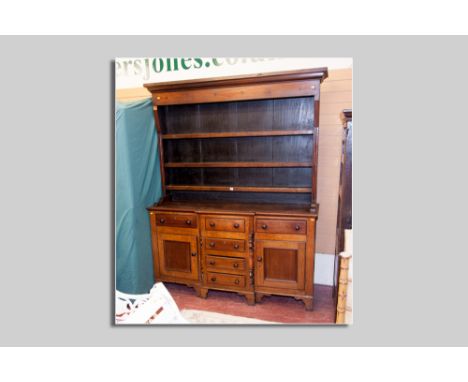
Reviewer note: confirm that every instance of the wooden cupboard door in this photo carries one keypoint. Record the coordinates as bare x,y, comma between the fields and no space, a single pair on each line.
280,264
178,255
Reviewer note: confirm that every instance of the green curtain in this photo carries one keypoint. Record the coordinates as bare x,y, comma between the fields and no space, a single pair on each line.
137,186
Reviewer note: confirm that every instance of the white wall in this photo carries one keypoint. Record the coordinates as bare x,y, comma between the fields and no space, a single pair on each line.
324,269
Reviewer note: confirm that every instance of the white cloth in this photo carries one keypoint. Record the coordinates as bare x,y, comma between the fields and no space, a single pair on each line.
155,307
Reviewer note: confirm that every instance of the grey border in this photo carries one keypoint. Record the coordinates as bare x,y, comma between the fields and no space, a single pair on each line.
409,200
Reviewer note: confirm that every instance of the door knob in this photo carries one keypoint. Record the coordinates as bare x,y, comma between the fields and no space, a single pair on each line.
213,279
236,282
236,225
188,222
194,254
264,226
259,259
162,220
212,224
236,265
212,262
212,244
297,227
236,246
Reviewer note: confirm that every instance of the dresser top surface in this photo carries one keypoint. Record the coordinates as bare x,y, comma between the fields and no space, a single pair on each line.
291,75
237,208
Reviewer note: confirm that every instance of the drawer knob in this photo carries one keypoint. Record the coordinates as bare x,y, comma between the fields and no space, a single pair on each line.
194,254
236,225
212,244
236,282
297,227
212,224
213,279
259,259
236,246
212,262
264,226
188,222
162,220
236,265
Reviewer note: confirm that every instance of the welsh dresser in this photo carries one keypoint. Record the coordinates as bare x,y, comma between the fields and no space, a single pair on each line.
238,160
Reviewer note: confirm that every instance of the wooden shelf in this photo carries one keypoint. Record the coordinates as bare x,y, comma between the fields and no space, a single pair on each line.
236,164
238,189
235,134
207,206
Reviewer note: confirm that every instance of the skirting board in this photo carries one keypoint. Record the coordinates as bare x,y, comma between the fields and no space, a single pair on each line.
324,264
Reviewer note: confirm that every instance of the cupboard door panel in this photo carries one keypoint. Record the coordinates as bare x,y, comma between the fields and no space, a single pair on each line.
178,255
280,264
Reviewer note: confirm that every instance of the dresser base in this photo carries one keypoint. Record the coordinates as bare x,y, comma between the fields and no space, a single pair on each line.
253,250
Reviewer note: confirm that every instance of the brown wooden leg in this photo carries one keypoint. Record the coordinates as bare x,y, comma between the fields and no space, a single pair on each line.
197,290
250,298
308,302
258,297
203,292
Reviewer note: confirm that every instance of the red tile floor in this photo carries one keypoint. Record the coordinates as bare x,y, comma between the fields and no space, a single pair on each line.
272,308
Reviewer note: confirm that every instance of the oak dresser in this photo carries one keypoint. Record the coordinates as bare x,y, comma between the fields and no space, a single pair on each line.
238,160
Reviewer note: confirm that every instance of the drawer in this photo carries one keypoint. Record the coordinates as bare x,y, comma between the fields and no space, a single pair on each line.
225,244
225,224
176,220
293,226
222,279
225,263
